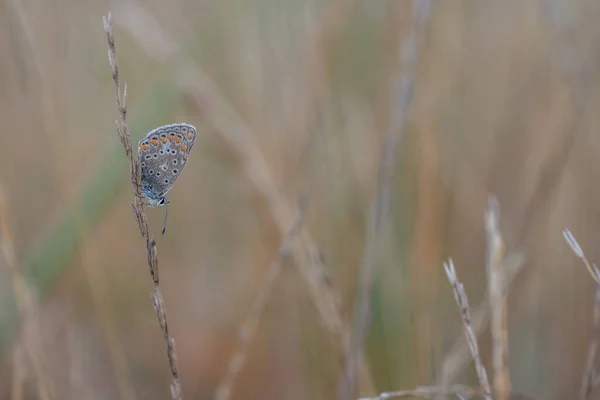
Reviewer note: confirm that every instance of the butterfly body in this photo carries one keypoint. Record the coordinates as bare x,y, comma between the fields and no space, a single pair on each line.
163,153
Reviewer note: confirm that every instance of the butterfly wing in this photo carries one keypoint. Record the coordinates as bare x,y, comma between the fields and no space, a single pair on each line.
189,132
163,155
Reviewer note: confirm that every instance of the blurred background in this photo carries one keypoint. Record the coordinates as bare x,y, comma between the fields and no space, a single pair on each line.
289,95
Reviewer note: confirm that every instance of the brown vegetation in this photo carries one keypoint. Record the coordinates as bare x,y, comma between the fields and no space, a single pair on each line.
496,155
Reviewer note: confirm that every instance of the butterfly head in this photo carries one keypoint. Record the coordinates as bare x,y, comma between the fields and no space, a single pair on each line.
155,202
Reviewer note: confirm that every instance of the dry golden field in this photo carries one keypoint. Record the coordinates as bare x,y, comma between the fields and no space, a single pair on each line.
301,99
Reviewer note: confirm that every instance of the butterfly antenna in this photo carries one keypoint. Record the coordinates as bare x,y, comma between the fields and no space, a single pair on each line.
166,213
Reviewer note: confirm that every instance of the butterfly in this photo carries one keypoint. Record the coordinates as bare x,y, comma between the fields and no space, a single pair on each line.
163,153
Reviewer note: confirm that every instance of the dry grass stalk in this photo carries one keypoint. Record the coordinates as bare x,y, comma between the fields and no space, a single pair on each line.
592,268
590,374
32,344
463,304
457,358
138,211
248,328
241,139
498,300
590,378
379,213
427,392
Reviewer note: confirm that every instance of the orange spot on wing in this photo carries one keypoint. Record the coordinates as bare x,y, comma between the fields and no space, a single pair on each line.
163,139
190,135
171,137
183,147
178,140
154,142
143,147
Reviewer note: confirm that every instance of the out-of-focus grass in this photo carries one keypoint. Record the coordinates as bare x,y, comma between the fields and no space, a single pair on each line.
52,256
500,87
60,244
